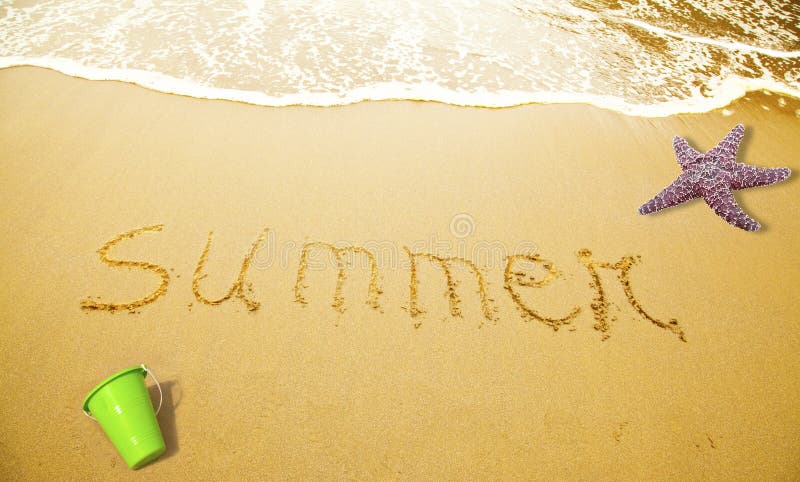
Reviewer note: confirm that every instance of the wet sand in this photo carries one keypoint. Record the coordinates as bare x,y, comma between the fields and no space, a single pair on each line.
273,371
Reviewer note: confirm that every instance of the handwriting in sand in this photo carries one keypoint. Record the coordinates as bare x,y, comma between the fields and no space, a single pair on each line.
514,276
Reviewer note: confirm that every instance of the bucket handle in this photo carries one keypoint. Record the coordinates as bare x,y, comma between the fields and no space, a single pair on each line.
160,393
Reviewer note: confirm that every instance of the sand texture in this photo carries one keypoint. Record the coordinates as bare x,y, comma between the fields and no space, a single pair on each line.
392,290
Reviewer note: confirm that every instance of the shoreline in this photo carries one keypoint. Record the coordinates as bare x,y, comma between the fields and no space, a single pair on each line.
362,392
734,90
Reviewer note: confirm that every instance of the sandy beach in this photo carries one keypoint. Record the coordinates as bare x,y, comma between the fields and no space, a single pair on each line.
291,379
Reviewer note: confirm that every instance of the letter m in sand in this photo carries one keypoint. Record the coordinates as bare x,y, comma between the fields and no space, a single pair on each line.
445,263
339,255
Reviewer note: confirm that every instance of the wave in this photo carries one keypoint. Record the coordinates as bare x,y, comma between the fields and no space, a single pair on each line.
729,90
733,46
645,58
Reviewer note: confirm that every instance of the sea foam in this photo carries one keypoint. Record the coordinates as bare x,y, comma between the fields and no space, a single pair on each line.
639,59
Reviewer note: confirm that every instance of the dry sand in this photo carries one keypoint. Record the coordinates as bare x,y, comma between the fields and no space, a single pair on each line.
274,388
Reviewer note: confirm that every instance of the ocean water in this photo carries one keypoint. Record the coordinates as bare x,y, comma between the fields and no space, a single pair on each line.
639,57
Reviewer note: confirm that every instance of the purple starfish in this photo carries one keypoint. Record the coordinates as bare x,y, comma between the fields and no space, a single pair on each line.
713,176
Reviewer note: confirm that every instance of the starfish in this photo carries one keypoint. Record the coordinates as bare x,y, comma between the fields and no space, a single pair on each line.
714,176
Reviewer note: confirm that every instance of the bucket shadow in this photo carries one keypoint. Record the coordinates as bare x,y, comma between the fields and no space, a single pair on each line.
166,417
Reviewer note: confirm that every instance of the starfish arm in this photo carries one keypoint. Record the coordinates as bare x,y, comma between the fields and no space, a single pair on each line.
721,200
728,146
684,153
745,176
680,191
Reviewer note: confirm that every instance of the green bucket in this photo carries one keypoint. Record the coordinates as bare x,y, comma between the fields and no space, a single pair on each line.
122,406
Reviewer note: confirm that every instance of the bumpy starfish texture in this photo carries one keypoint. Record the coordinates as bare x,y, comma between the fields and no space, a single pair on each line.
714,176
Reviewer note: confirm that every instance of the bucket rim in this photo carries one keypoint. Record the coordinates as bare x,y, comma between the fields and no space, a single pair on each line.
109,380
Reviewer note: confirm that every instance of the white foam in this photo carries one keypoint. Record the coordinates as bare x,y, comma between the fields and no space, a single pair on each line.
729,90
735,46
494,53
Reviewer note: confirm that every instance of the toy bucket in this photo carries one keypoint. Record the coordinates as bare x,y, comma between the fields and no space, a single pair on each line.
122,406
